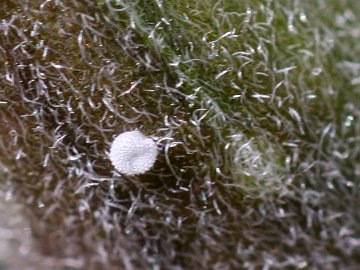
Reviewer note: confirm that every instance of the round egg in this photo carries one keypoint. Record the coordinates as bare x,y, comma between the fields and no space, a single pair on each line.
133,153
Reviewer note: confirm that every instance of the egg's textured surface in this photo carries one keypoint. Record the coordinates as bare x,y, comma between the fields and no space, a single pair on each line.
133,153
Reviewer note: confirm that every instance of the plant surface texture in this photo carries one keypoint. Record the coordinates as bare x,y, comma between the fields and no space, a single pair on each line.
253,106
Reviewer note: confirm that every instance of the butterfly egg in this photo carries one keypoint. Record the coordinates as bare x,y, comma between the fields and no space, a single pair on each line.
133,153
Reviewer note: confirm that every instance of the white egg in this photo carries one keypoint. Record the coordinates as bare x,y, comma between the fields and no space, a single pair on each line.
133,153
